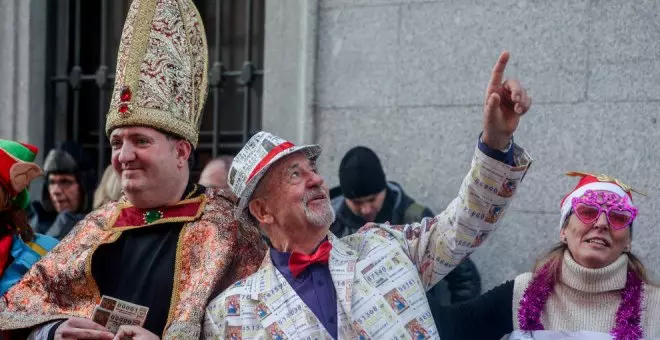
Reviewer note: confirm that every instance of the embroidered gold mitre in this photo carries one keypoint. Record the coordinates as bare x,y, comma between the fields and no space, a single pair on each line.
162,69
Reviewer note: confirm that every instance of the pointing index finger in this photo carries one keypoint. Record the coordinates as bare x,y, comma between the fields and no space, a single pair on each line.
498,70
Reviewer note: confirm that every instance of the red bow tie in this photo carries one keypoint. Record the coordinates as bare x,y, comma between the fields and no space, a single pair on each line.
298,262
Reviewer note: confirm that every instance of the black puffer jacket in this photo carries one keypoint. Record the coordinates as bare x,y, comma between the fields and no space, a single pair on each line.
69,158
461,284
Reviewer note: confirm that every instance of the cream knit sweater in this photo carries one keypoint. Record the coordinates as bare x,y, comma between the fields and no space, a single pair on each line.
587,299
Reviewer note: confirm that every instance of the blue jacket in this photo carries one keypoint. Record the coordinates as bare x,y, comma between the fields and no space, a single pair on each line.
24,255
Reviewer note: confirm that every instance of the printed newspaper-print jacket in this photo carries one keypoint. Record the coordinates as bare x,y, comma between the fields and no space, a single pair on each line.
380,274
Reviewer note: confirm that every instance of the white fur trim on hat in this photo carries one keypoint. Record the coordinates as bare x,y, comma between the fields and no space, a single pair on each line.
595,186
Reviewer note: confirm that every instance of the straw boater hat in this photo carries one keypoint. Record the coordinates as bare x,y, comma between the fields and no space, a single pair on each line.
593,182
162,69
254,160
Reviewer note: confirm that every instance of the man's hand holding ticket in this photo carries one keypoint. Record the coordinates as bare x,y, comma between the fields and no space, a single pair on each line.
113,313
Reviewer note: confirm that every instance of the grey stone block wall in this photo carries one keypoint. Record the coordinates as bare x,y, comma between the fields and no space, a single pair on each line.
23,74
406,78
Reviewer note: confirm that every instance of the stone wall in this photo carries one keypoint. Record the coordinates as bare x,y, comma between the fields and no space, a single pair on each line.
406,78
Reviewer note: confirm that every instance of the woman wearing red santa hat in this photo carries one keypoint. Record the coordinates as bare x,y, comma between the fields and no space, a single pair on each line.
589,286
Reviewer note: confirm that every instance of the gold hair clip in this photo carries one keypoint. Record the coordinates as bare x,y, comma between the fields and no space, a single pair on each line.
606,178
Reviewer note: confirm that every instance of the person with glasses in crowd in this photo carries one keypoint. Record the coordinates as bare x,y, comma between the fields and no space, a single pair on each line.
589,286
67,193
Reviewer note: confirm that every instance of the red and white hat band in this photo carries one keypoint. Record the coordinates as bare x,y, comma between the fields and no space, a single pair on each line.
261,150
253,161
566,204
271,154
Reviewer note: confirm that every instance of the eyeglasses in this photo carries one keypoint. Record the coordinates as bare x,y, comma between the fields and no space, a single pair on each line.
618,211
64,183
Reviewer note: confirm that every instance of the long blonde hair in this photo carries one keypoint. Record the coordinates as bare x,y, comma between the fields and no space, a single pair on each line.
109,189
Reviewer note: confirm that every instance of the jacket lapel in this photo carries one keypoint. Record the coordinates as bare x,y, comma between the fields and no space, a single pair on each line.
266,284
278,307
342,269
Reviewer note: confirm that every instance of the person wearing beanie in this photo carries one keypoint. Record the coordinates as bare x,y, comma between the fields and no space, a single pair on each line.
66,195
20,247
364,195
363,186
371,284
143,267
590,285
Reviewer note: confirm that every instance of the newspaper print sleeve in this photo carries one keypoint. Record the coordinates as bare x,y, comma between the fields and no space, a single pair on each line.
437,245
211,329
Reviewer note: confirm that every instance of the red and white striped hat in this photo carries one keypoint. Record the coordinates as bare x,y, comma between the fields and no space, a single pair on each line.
254,160
594,183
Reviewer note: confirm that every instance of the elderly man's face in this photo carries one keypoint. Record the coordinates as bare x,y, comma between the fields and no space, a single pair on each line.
64,191
145,159
297,195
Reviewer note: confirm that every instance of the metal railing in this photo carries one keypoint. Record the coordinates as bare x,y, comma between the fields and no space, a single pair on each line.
83,39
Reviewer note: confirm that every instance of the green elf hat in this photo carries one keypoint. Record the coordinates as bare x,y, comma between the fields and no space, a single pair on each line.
17,170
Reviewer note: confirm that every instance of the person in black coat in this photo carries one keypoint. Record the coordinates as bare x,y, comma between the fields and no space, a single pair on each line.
67,194
364,195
